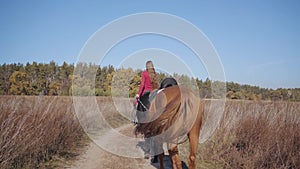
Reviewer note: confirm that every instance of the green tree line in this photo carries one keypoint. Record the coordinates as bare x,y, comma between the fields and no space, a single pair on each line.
88,79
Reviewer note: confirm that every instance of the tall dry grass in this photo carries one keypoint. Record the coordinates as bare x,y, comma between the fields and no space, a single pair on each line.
251,134
36,129
255,135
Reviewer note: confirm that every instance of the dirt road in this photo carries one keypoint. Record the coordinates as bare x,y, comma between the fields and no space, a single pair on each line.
95,157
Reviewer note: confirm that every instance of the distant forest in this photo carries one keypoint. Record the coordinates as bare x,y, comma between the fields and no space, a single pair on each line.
59,80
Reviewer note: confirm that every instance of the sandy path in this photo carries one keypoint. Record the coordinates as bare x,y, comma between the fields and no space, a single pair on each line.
96,158
91,159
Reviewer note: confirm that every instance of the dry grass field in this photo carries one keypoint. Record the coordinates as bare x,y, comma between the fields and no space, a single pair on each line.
253,135
36,132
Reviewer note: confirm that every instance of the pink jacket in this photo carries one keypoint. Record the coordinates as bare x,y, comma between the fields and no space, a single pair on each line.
145,84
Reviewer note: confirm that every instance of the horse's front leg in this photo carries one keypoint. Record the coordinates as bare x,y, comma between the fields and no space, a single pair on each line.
174,155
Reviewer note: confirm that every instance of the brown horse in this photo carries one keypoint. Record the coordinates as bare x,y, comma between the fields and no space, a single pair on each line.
173,115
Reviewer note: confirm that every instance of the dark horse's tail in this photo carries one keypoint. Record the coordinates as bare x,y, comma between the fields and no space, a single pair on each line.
168,82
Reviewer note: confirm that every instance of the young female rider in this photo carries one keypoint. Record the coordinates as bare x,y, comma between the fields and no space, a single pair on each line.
148,83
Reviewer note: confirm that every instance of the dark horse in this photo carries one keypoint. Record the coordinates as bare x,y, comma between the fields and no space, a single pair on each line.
146,98
171,115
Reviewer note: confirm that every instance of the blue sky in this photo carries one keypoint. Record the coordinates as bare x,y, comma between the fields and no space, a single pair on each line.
258,42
